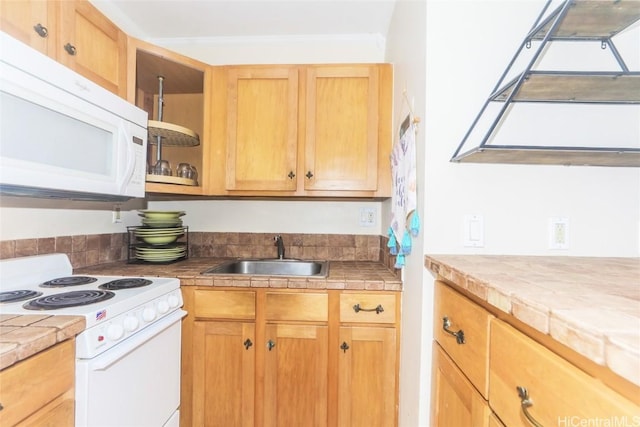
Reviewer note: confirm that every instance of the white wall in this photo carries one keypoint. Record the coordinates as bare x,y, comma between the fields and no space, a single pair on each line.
406,48
468,44
516,201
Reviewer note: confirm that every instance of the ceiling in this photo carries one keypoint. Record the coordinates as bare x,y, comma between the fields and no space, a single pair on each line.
245,19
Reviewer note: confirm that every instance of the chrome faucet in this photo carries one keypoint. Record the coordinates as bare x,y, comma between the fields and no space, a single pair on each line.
280,244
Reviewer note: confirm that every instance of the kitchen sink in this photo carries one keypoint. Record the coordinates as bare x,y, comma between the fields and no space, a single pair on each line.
272,267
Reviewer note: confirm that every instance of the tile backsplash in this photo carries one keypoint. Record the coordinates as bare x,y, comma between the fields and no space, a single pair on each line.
94,249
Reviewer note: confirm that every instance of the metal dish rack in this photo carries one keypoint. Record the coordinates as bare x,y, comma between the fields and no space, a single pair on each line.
134,243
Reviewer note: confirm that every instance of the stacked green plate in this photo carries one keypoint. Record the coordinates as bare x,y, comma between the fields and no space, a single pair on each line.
159,236
161,219
160,254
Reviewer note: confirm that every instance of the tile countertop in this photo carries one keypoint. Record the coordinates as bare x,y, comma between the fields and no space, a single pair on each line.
24,336
591,305
342,275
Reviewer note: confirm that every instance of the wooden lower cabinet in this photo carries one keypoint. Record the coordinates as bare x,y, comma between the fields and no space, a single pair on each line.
559,392
283,358
39,391
224,380
295,375
367,393
506,362
455,401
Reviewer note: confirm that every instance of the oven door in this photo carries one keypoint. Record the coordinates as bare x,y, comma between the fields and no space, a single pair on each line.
136,383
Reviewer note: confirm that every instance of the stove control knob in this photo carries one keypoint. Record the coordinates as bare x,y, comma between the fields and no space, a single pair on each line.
131,323
148,314
115,331
173,301
163,307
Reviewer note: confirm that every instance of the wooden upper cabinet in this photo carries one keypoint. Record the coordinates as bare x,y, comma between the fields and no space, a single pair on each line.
262,128
31,22
92,45
303,130
74,33
341,146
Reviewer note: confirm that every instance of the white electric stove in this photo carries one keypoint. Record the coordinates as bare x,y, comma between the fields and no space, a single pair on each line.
132,336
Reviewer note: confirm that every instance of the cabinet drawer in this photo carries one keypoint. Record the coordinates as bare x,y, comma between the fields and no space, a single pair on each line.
561,394
310,307
33,383
224,304
369,307
467,320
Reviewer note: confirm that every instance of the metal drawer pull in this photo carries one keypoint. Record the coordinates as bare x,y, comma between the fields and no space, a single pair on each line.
247,343
446,324
271,344
309,175
71,49
41,30
379,309
525,403
291,175
344,347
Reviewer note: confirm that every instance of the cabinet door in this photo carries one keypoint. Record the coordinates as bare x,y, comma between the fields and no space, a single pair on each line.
367,377
262,128
92,45
223,373
31,21
295,377
32,388
455,402
341,144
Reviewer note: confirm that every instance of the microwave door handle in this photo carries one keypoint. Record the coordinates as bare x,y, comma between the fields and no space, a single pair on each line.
130,157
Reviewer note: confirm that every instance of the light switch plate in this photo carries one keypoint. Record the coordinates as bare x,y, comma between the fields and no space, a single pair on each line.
473,236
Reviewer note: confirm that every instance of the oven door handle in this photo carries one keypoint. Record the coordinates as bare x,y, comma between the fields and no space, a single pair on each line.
127,346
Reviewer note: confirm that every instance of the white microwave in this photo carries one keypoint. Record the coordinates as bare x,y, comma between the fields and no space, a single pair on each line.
62,135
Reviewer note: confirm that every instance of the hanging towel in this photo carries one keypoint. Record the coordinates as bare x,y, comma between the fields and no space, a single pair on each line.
404,195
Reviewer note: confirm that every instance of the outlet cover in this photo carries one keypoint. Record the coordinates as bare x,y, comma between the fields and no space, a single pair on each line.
558,233
367,217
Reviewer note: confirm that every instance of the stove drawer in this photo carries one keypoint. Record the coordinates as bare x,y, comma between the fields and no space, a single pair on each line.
33,384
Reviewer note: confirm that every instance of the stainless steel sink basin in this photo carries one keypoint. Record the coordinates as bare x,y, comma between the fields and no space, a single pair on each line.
272,267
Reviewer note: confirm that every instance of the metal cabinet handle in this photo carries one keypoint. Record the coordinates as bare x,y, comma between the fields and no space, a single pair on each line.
446,324
1,407
525,403
309,175
270,345
344,347
379,309
247,344
291,175
71,49
41,30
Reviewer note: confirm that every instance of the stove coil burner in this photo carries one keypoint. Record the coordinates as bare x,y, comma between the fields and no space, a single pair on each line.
18,295
68,299
125,283
61,282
